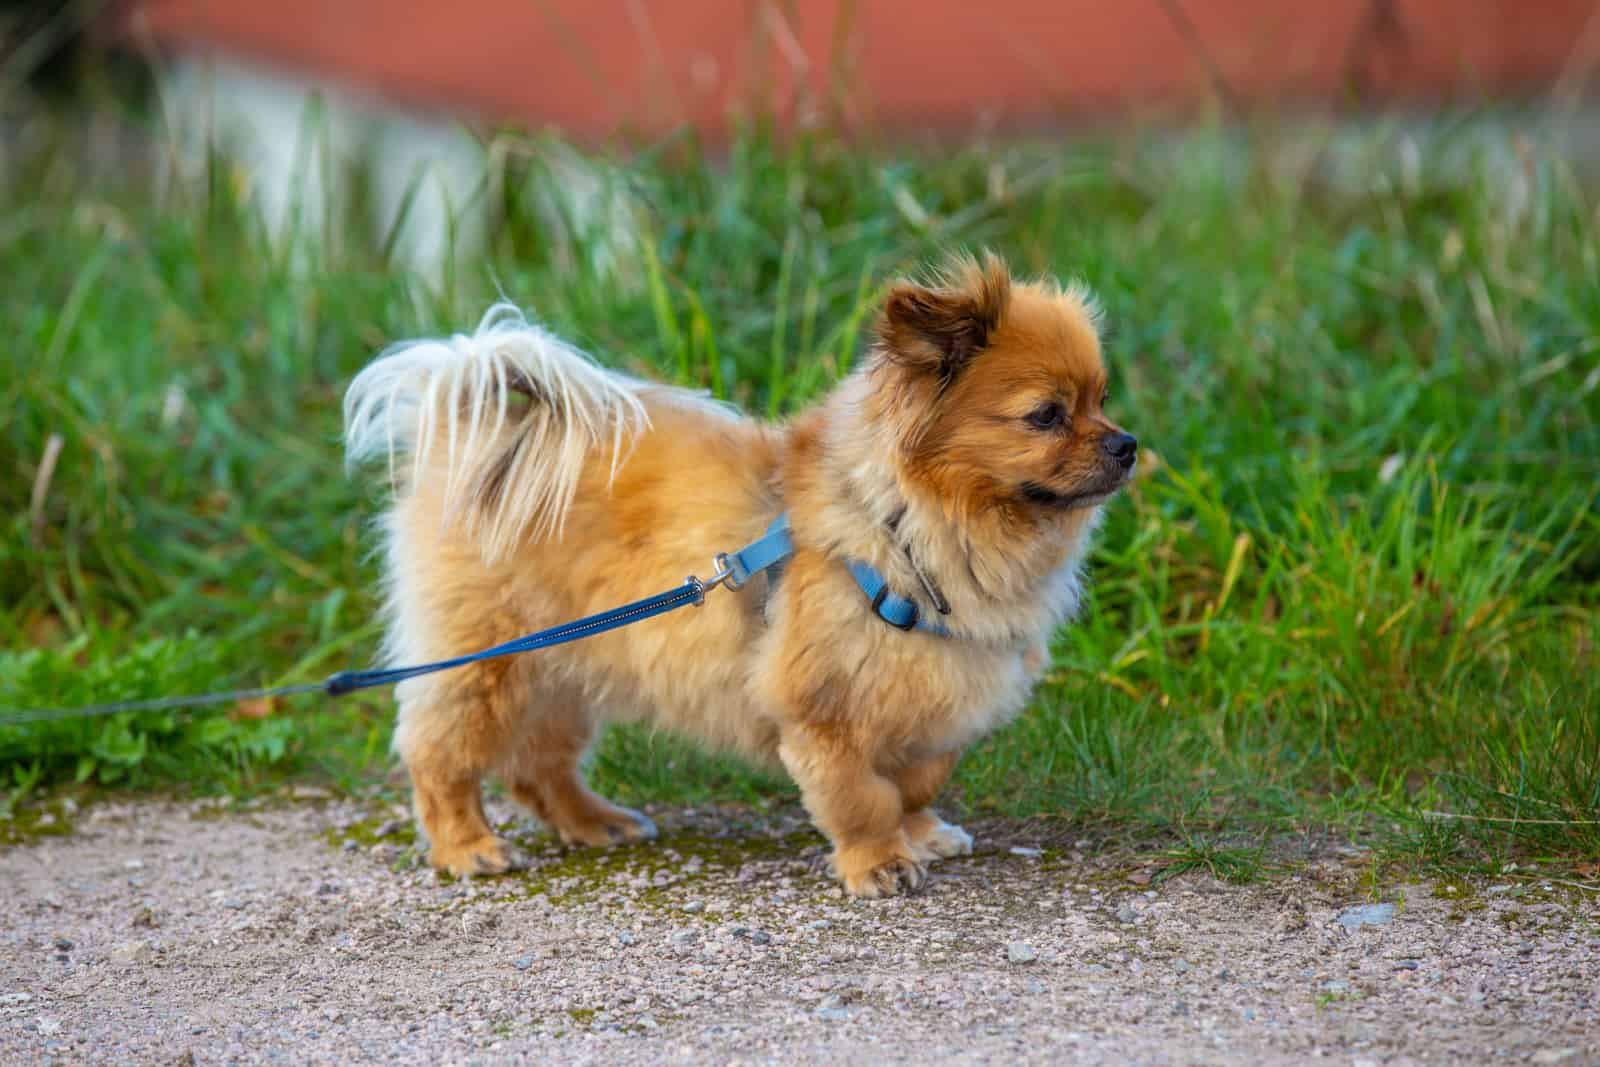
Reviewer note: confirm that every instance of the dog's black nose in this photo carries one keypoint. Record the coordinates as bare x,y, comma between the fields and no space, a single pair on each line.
1121,447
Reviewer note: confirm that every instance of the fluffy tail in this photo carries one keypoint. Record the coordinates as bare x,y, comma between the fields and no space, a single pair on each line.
510,468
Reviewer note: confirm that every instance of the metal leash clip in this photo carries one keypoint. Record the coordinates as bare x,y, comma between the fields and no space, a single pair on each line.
723,576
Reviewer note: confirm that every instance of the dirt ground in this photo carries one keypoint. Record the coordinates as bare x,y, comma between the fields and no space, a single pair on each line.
306,932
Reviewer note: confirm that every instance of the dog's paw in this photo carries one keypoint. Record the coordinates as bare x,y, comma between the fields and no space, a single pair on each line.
620,826
486,855
900,875
941,841
871,874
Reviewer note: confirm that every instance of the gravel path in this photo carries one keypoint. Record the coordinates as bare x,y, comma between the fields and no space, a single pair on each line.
305,933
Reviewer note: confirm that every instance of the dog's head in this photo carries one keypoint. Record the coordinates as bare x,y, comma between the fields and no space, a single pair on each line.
995,390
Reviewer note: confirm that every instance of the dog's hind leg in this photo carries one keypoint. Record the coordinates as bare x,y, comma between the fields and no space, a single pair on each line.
543,774
453,729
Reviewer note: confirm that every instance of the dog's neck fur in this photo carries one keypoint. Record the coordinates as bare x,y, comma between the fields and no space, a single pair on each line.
1009,573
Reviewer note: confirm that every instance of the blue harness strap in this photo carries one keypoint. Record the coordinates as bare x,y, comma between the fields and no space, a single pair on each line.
900,612
775,547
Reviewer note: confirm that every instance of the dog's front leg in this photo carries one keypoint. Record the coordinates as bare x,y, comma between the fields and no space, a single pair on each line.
858,808
930,836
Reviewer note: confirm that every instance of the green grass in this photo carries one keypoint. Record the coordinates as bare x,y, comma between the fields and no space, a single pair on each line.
1363,585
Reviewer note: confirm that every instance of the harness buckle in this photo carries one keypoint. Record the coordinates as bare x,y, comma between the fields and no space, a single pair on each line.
877,609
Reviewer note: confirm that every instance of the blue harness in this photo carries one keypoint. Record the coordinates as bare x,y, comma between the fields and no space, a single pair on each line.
774,548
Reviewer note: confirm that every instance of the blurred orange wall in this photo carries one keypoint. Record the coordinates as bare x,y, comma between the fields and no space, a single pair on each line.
601,68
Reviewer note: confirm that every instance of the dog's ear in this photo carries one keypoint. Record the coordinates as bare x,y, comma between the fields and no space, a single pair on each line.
938,328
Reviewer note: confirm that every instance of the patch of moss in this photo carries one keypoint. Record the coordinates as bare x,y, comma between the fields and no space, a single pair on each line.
572,875
25,825
375,830
1463,895
1325,1000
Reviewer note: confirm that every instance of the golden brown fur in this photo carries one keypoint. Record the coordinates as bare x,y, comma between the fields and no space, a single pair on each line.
940,449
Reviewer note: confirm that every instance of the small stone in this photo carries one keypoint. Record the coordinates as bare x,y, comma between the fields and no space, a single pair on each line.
695,907
1407,965
1553,1055
233,904
130,952
1366,915
1036,988
133,865
1023,850
648,1022
685,937
760,937
1336,988
625,938
1020,952
522,963
351,845
833,1009
144,918
1183,966
8,999
1126,914
390,828
818,924
48,1024
64,944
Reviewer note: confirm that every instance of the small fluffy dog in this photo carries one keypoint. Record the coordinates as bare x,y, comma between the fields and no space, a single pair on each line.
964,462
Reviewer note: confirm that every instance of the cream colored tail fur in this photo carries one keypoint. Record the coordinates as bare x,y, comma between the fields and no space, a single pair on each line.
510,469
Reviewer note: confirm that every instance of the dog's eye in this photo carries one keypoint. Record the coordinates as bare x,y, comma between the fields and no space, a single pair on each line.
1047,416
1105,395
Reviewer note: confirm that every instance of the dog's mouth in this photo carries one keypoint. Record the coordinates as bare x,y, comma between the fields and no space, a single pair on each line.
1083,497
